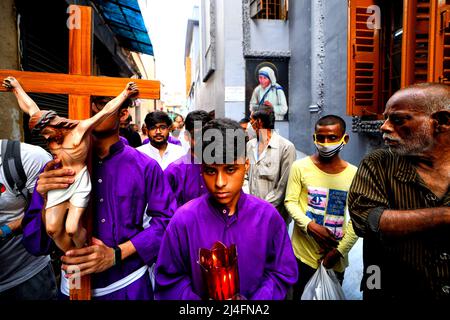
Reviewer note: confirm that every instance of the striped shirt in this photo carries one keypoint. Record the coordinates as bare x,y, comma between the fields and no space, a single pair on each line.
414,266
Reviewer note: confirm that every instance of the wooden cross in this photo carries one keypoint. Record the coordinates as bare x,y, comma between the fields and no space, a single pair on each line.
80,86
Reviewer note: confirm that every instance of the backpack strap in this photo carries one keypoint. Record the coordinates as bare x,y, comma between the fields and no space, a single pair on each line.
13,168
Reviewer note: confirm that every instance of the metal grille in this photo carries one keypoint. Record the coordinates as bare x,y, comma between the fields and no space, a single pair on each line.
44,48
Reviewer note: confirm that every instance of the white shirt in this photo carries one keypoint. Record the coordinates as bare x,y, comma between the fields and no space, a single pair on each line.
173,152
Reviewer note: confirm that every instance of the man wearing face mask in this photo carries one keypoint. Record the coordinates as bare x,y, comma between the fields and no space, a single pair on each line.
271,157
316,199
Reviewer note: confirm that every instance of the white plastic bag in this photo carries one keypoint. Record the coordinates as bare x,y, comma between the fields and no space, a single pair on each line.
323,285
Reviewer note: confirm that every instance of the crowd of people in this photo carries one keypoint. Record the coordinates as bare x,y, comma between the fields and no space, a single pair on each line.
190,183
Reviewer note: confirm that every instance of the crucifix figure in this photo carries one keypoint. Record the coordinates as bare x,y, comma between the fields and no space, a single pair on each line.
68,141
80,85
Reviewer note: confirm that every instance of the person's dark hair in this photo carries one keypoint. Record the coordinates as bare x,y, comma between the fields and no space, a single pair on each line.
244,120
178,115
197,115
223,142
129,119
103,100
153,118
266,115
330,120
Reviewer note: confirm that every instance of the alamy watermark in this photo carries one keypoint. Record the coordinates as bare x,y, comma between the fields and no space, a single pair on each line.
374,21
74,20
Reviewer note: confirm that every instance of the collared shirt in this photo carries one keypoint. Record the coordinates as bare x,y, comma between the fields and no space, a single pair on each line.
126,185
186,179
266,262
173,152
269,173
415,266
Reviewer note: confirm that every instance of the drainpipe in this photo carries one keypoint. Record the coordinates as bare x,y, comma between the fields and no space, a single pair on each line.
317,56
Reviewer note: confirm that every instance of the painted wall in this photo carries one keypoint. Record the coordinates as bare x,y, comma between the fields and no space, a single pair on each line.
333,74
234,58
10,114
209,94
269,35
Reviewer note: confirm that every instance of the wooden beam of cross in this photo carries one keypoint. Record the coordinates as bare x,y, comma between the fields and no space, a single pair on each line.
80,86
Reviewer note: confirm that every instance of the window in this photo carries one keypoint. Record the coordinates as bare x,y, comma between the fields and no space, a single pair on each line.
409,42
269,9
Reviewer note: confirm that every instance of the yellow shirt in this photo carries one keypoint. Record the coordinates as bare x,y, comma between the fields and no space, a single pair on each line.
312,194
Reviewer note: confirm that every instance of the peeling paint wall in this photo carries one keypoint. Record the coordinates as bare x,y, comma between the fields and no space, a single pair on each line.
10,114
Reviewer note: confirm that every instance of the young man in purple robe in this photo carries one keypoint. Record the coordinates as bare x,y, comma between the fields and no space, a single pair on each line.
129,188
266,262
185,174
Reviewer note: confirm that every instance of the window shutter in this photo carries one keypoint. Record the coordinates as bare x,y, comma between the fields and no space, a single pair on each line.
363,61
256,6
418,41
284,9
442,51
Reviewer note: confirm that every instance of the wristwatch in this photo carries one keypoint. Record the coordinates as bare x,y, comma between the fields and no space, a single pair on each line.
117,255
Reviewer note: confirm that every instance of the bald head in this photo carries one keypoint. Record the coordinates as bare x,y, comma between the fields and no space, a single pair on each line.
424,97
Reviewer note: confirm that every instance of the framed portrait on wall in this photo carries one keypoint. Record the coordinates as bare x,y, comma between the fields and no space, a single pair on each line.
276,93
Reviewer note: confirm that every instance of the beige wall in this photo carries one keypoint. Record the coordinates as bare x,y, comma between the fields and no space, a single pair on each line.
10,114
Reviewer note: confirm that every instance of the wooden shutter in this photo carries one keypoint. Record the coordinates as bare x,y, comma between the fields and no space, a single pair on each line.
284,9
417,58
442,51
256,6
363,82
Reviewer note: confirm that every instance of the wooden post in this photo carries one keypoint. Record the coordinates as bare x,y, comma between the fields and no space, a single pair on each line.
80,63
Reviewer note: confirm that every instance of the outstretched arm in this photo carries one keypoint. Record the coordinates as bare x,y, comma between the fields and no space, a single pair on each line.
25,102
130,90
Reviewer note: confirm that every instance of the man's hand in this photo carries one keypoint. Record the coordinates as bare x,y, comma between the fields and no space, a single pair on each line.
323,236
331,258
15,225
93,259
131,89
268,103
53,178
10,83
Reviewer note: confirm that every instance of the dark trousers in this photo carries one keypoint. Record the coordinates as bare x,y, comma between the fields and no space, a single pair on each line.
305,273
40,287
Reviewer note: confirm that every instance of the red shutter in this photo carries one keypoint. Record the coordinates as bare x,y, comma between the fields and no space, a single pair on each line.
363,94
418,41
442,53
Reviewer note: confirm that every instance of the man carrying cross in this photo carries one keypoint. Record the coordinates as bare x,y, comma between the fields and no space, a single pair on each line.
127,188
68,141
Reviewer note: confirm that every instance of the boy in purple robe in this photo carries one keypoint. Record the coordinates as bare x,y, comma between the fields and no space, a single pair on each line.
266,262
129,188
185,174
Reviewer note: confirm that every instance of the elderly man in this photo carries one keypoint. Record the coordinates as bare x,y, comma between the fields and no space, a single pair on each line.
399,200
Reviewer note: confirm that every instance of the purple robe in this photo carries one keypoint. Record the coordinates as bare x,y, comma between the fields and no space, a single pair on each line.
124,183
266,261
185,178
170,139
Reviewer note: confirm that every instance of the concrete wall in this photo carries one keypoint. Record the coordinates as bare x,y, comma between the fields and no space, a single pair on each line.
210,94
10,114
269,35
234,62
332,74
